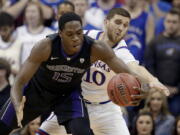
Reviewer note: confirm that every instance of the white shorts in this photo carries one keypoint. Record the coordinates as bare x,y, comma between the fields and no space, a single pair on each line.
51,126
105,119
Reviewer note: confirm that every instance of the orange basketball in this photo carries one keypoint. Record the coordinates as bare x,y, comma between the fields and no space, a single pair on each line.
120,88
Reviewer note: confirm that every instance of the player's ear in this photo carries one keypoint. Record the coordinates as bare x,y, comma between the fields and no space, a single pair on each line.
105,22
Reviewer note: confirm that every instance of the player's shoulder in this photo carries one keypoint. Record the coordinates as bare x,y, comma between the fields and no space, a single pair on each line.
92,33
122,44
43,48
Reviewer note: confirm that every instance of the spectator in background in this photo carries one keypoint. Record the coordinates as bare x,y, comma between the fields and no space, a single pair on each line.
52,3
29,129
143,124
177,126
9,44
63,7
160,23
156,104
176,4
16,9
5,71
33,30
141,28
158,9
81,6
2,5
98,11
162,58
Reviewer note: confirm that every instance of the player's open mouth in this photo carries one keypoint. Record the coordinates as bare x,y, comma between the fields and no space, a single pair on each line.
118,34
76,46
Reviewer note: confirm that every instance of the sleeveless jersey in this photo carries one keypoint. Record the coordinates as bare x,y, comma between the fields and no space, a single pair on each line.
60,73
95,81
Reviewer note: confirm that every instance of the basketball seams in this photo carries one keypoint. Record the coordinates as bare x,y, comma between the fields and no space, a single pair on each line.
111,90
120,88
119,95
127,90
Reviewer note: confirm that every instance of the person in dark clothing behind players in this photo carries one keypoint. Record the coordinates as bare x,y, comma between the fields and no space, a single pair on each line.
5,70
162,58
52,76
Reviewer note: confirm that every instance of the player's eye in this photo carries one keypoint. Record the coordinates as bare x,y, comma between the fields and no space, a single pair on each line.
118,22
125,25
69,34
79,33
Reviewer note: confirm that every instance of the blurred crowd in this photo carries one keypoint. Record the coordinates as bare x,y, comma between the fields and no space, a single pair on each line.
153,38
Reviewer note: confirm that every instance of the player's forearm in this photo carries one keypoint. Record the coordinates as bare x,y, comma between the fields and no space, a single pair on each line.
142,73
16,92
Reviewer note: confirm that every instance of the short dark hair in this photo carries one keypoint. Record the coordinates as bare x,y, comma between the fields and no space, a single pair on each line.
118,11
67,17
174,11
4,64
6,19
67,3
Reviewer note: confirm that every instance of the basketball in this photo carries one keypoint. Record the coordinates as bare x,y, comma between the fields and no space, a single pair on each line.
120,88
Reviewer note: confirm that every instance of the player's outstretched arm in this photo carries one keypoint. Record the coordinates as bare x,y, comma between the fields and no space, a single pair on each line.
39,53
101,51
147,78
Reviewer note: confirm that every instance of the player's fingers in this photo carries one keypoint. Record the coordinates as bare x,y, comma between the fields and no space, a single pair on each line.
23,99
20,124
134,103
141,90
19,119
136,97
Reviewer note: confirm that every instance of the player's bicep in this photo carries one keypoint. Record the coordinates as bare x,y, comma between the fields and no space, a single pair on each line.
125,55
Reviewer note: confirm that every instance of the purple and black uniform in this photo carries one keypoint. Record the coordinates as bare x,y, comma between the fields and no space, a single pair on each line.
54,87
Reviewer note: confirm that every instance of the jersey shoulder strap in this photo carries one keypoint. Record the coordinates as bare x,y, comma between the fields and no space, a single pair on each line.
93,33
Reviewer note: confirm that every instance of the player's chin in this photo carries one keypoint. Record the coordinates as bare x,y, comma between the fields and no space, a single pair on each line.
76,48
117,39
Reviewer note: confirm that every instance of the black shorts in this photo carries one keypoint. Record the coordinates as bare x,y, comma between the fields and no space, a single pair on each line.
66,106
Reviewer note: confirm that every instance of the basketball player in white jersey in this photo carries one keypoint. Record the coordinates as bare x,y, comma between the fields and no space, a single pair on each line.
105,117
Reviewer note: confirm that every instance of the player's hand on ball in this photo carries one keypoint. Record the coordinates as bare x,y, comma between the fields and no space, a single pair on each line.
137,98
19,111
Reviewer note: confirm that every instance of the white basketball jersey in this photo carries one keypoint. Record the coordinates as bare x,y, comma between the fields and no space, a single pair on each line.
95,81
11,52
28,39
